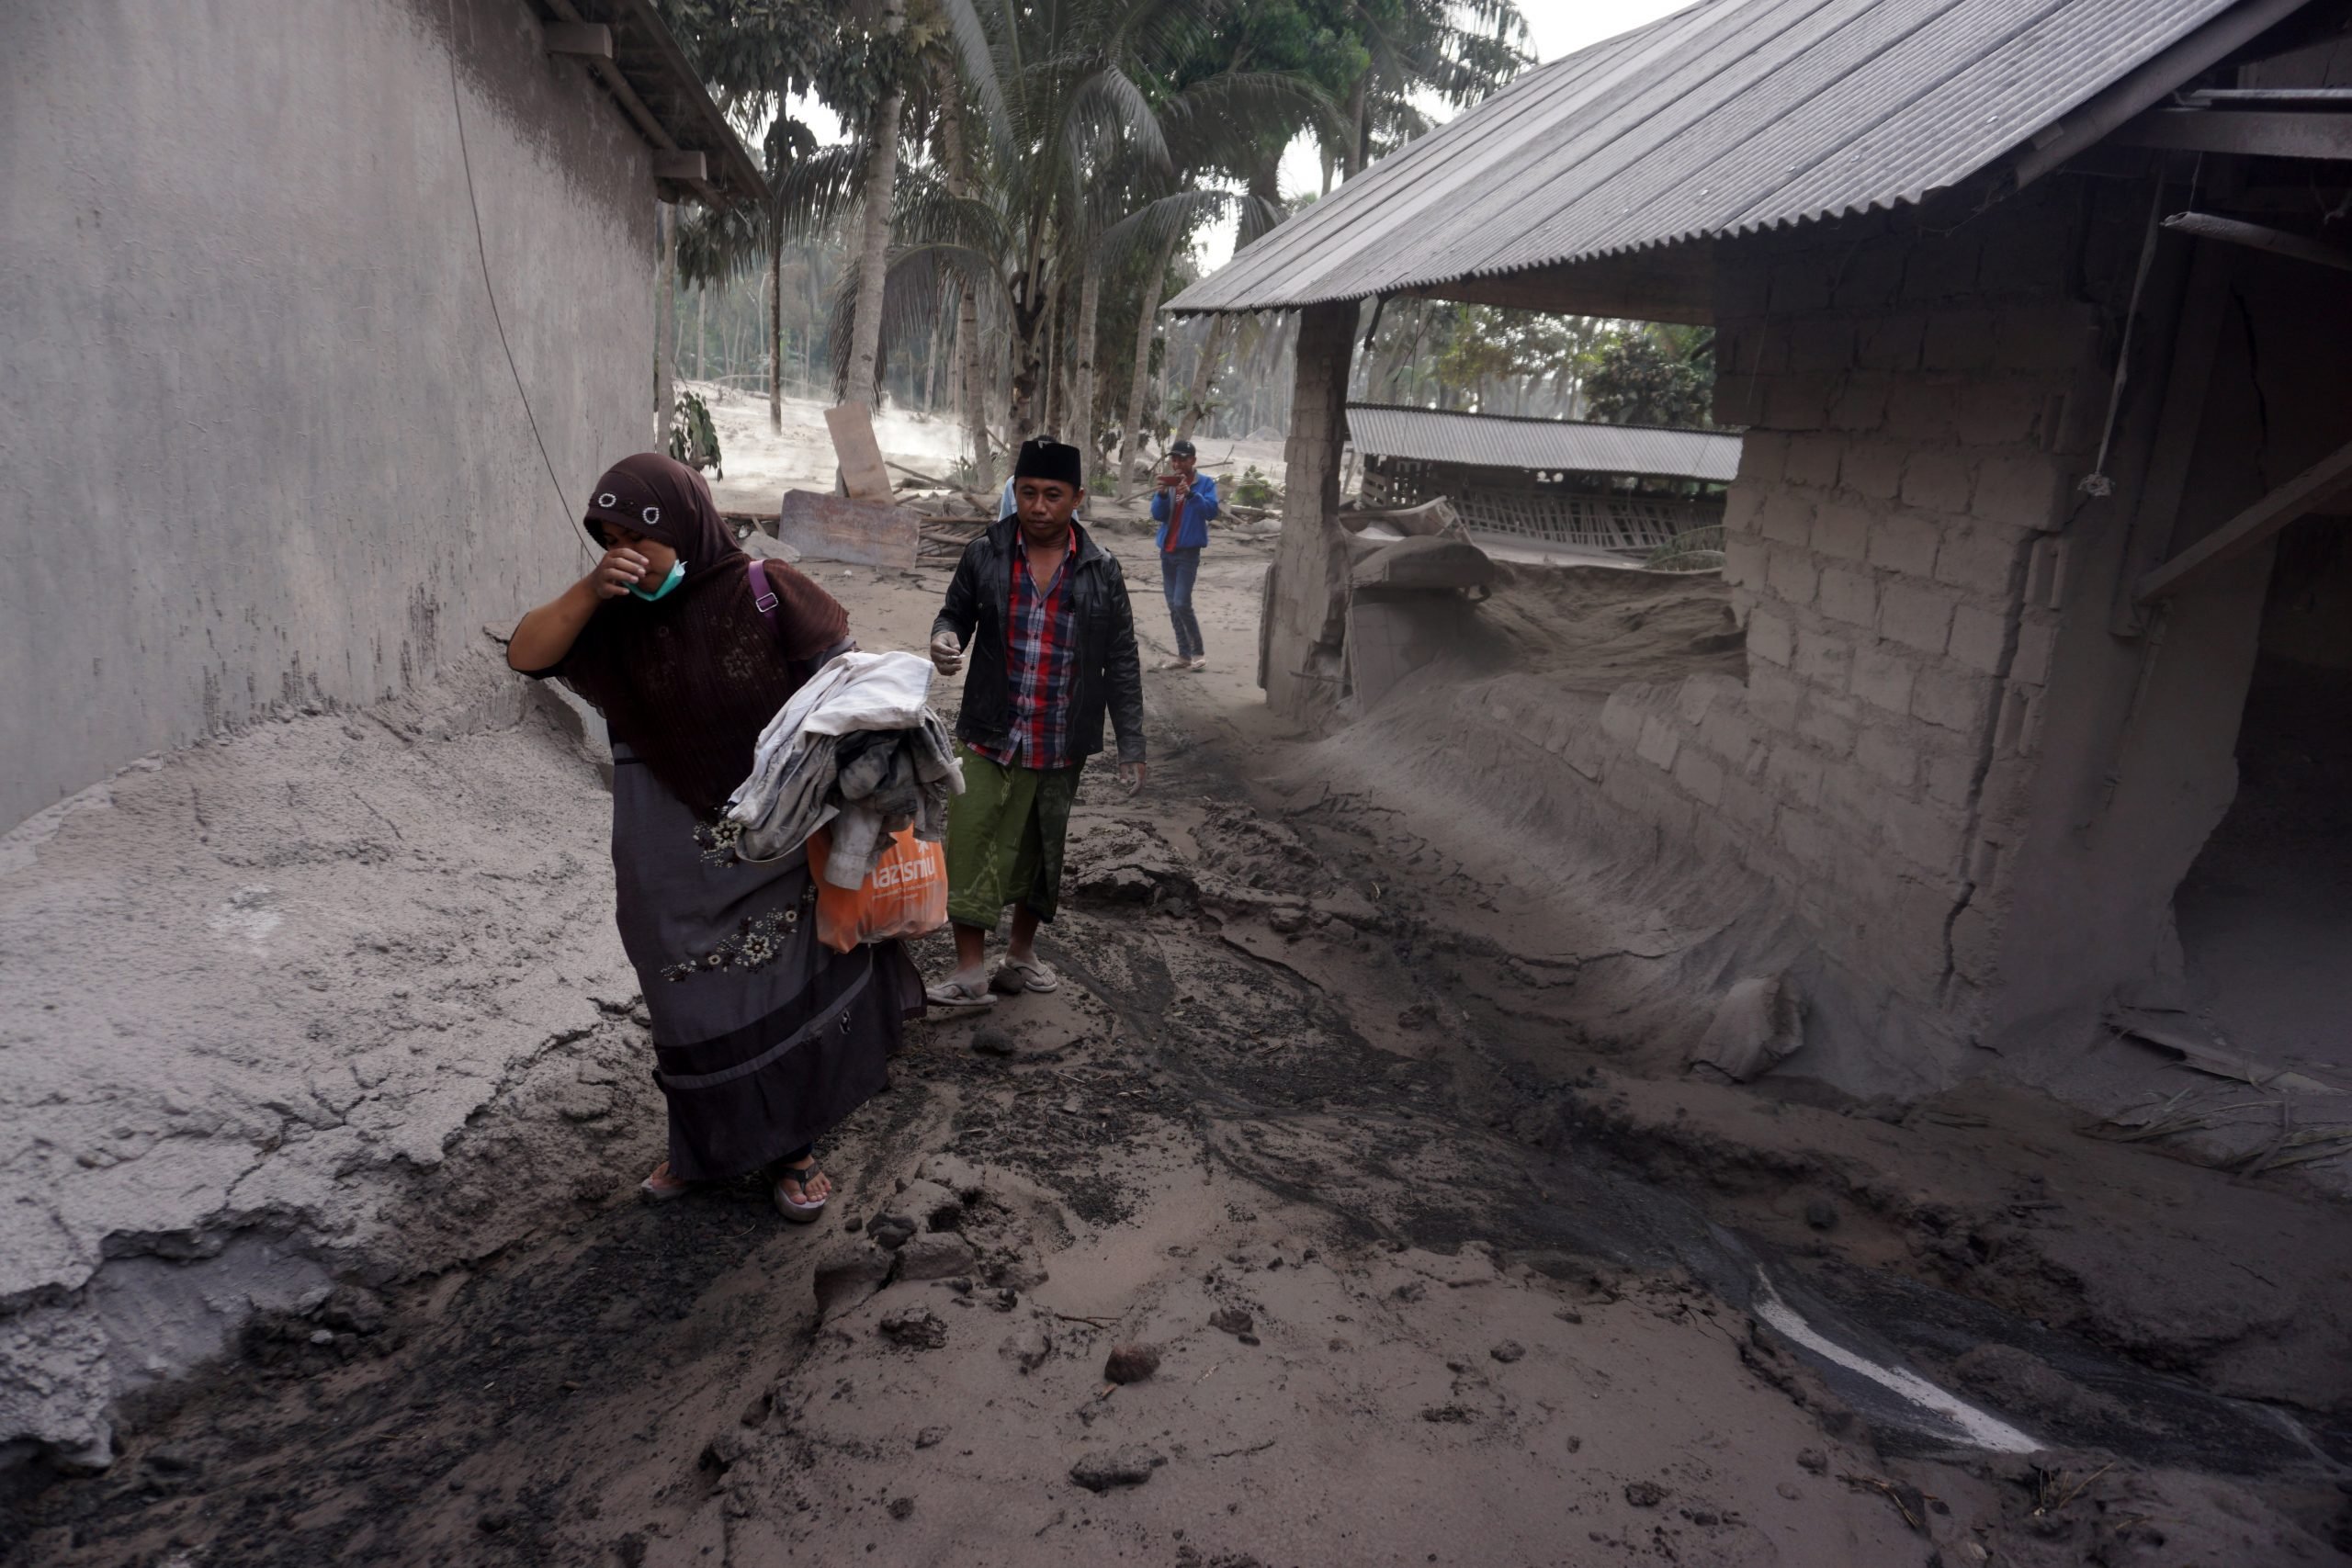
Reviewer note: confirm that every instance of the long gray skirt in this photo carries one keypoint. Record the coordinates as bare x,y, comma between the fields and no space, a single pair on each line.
764,1038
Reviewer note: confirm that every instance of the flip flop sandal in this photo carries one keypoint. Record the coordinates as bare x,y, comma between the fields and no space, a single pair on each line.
661,1186
1174,664
1013,977
800,1211
962,993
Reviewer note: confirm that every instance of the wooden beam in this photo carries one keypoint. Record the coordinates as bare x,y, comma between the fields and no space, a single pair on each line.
2089,123
1671,283
2206,226
2164,447
689,168
2253,527
584,41
2257,133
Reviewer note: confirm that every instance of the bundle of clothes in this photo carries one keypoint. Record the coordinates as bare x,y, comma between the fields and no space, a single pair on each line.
856,752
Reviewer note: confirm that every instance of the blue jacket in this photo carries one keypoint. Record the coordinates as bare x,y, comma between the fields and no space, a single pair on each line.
1200,505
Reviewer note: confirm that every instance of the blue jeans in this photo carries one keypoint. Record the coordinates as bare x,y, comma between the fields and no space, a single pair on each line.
1177,570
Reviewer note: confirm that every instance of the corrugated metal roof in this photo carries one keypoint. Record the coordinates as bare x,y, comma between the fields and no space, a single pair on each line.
1492,442
1729,116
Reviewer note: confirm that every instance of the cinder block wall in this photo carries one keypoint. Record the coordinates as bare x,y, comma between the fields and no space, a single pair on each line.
1923,390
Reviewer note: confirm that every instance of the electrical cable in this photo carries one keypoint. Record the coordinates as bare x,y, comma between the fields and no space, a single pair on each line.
481,250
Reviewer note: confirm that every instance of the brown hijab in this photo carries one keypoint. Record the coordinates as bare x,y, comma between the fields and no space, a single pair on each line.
688,681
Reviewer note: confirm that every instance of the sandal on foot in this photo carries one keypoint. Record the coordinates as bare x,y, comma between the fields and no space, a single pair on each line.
800,1211
661,1186
1179,663
1015,976
964,993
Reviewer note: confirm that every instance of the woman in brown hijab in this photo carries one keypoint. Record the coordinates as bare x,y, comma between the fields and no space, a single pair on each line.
764,1038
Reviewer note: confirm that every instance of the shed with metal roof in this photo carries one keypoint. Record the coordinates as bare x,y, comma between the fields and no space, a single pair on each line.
1613,486
1596,183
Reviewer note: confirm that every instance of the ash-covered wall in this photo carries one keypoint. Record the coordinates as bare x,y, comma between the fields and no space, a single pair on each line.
1921,389
263,445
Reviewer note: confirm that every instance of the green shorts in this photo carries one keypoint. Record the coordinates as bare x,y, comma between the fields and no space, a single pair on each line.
1004,839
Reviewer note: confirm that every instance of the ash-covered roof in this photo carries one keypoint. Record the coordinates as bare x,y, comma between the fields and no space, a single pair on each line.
1729,116
1496,442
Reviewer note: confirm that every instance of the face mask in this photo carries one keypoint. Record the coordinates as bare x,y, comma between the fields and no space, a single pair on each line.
677,575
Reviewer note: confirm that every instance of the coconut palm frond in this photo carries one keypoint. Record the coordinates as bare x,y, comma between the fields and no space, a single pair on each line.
930,213
820,193
983,68
918,294
714,246
1109,99
1259,218
1216,120
1156,225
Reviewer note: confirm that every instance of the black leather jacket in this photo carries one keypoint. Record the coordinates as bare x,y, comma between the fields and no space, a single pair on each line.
1110,672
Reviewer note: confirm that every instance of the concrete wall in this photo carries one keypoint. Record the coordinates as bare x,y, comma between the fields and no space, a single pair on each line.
262,447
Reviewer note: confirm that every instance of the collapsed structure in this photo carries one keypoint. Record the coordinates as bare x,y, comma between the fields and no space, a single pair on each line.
1606,487
2036,319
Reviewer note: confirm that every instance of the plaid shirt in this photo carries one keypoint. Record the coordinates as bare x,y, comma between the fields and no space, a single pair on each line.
1040,662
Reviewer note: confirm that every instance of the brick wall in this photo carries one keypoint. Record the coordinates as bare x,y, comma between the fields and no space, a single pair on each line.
1922,391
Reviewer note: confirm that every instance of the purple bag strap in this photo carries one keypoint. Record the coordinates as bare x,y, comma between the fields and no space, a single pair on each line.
764,597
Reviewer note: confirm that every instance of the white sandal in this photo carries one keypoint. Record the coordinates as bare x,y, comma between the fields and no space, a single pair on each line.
1015,976
962,993
661,1186
800,1211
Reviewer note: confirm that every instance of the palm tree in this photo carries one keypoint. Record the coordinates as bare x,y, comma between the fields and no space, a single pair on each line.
1086,165
1457,51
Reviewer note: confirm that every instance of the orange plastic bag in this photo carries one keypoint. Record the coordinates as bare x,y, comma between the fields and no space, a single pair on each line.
906,896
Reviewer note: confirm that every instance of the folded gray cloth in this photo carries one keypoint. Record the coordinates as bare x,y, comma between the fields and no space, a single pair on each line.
801,805
865,784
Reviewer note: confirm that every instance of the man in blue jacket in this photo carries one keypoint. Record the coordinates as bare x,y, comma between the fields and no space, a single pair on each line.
1185,502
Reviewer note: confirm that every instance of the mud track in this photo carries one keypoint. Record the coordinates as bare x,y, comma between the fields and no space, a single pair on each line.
1497,1306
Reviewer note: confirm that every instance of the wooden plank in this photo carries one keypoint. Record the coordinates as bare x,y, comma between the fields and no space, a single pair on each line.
584,41
836,528
2251,528
864,474
2279,241
2163,464
2262,133
691,168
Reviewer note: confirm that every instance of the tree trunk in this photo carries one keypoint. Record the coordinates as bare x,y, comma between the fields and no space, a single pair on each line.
874,251
665,328
1197,397
1054,389
1089,301
1357,130
702,332
968,308
1145,324
775,303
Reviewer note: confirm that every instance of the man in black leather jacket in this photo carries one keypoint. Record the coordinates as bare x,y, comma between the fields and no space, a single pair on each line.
1044,611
